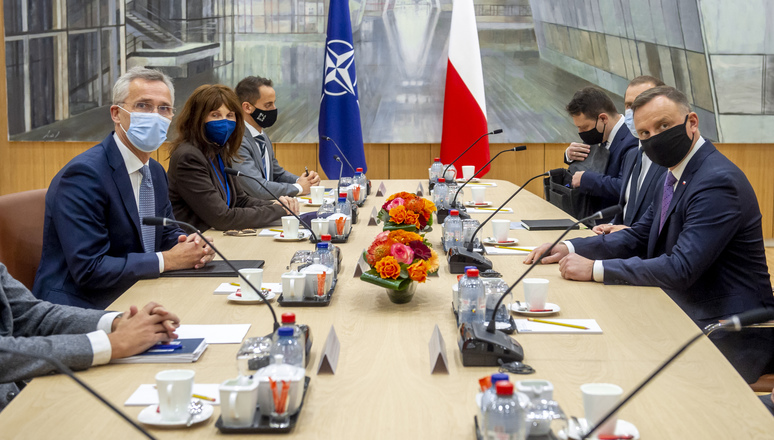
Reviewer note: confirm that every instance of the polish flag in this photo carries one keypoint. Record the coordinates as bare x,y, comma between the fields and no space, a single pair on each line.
464,106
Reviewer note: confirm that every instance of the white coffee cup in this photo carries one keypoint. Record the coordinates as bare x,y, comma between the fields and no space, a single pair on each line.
255,276
478,193
468,171
320,226
535,292
317,194
293,284
290,226
500,229
238,399
175,388
598,399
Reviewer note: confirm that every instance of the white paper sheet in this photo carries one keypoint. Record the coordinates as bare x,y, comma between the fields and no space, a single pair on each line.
215,334
492,250
228,288
524,326
146,394
489,210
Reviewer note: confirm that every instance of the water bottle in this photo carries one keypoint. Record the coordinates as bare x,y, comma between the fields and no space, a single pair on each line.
440,193
287,345
289,320
451,191
343,206
334,250
436,169
362,180
495,287
327,208
472,298
505,416
452,230
324,256
490,394
456,293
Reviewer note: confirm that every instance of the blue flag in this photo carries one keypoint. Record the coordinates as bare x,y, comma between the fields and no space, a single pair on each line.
339,106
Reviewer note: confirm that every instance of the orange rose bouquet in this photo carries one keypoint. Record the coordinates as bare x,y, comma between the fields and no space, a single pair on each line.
398,258
407,212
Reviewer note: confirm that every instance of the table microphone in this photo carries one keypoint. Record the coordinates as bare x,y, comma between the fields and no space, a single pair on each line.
459,257
62,368
236,173
341,173
163,221
497,131
340,152
454,200
734,323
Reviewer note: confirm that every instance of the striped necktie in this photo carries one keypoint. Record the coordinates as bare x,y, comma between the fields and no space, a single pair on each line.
669,191
147,209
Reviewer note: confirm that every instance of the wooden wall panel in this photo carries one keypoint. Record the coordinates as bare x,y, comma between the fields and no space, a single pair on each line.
295,156
378,160
755,161
554,157
410,161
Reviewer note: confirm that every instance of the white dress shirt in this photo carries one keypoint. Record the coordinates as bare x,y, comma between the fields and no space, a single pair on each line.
100,343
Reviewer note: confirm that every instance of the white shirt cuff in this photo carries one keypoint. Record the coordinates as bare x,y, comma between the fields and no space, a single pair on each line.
100,347
570,247
161,261
566,157
106,322
299,188
599,271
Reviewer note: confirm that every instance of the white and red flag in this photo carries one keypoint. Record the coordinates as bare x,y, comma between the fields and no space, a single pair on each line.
464,105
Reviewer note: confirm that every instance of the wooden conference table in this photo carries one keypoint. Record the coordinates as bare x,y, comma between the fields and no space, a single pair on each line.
383,388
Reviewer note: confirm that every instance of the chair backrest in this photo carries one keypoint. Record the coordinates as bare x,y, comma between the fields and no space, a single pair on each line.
21,233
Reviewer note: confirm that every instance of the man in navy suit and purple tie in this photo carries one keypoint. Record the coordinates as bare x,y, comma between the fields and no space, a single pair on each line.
701,239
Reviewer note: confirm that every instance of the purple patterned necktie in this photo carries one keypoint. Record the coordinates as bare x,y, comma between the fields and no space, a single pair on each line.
669,191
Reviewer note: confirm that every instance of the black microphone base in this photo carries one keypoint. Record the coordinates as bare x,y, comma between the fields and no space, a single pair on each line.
459,257
480,348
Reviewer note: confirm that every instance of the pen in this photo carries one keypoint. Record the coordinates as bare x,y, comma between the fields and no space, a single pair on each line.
513,248
615,437
558,323
276,230
234,284
306,171
541,310
494,209
199,396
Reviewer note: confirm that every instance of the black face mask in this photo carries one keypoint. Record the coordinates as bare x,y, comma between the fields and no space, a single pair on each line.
669,147
264,118
593,136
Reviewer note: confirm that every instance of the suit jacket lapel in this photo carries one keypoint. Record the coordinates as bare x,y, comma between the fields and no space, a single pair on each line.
646,182
121,178
259,159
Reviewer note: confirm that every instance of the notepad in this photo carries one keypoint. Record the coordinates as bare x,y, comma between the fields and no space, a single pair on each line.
215,334
559,224
190,350
524,326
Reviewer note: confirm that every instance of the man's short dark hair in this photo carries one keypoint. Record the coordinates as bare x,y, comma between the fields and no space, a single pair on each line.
670,93
591,102
248,90
646,79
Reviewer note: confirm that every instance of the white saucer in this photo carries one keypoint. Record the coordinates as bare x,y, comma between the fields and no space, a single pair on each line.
475,179
313,204
238,299
473,204
554,309
302,235
621,428
149,416
492,242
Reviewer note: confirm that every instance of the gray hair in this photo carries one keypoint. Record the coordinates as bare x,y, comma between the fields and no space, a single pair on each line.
121,87
668,92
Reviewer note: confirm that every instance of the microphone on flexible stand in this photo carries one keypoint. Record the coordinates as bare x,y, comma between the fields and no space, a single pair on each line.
341,173
459,257
342,155
735,323
481,345
236,173
497,131
62,368
454,200
163,221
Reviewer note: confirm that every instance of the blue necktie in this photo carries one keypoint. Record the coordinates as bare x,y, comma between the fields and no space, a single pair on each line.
669,191
632,202
147,209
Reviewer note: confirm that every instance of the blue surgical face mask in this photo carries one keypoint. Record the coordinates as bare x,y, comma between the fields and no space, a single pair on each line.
219,131
629,120
147,131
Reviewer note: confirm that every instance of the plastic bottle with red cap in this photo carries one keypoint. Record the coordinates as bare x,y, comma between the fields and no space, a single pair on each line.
289,320
505,417
440,194
472,298
360,180
436,169
452,230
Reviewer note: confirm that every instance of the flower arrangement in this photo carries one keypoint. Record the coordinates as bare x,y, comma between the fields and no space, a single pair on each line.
398,258
408,212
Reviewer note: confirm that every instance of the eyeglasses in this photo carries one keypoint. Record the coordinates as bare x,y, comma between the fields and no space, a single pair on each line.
144,107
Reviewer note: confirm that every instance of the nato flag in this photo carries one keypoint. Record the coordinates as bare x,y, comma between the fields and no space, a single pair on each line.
339,106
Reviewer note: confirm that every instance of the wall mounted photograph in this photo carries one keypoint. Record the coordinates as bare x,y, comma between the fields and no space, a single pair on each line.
62,57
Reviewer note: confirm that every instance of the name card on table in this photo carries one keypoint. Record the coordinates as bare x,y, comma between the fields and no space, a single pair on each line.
438,360
420,190
373,220
361,266
381,191
329,358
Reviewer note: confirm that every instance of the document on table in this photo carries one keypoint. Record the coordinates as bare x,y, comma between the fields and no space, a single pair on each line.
509,250
146,394
229,288
524,326
472,210
215,334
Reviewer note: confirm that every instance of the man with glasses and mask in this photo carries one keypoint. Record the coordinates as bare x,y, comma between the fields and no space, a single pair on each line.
94,244
257,152
700,241
598,123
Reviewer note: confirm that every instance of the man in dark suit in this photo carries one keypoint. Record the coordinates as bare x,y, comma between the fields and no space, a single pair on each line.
257,152
78,338
642,179
700,241
598,122
94,246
